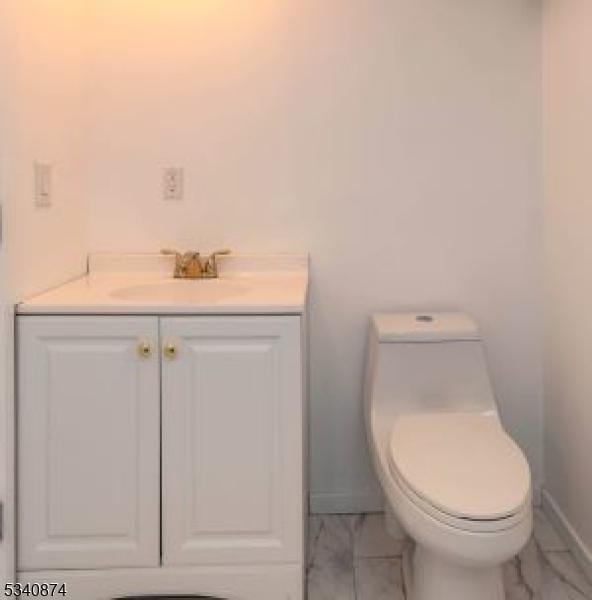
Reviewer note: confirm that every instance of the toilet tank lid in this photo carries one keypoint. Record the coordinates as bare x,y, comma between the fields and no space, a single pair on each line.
425,327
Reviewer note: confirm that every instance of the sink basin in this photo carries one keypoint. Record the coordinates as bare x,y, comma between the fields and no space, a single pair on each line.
181,291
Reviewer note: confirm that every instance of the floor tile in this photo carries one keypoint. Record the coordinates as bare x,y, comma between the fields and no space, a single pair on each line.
330,536
537,575
553,590
330,558
353,558
546,536
531,567
329,581
565,567
575,595
515,587
371,539
379,579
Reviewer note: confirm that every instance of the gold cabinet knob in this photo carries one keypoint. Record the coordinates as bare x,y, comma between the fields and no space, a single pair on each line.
170,350
145,349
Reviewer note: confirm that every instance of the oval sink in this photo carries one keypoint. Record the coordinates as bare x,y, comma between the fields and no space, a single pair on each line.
181,291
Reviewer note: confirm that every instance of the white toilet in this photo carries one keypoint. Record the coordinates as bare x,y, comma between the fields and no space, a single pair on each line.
453,478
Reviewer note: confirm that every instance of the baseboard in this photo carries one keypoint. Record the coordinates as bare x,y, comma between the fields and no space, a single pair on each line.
556,516
346,503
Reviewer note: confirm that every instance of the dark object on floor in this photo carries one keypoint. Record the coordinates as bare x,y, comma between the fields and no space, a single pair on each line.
167,598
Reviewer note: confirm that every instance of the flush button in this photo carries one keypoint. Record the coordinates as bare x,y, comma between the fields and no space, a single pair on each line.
424,319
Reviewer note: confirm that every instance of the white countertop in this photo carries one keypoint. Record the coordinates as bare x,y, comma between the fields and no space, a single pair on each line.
143,284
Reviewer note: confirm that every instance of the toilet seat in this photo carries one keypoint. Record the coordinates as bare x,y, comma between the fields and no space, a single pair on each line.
461,468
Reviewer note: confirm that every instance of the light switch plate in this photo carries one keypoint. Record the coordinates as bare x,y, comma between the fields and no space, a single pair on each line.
43,184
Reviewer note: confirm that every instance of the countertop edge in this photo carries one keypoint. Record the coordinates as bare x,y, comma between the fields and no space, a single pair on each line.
96,310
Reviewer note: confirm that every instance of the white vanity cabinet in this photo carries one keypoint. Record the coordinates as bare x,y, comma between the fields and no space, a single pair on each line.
154,449
88,459
232,440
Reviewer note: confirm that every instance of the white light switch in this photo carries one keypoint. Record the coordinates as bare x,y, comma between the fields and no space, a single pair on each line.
43,184
173,183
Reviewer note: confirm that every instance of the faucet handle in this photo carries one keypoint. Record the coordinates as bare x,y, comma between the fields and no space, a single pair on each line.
211,266
169,252
223,252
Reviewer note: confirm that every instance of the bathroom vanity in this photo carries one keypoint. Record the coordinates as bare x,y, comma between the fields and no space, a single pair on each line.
161,430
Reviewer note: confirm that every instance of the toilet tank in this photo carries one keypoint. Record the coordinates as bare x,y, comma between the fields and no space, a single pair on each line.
425,363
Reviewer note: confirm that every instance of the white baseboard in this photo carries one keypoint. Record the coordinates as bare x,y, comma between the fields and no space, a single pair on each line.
556,516
346,503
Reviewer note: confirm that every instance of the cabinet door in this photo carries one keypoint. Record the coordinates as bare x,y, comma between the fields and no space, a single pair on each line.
232,440
88,443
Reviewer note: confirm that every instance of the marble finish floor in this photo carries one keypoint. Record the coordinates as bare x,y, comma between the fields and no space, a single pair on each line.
351,557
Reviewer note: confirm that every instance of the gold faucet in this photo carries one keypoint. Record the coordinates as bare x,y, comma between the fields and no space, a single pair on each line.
210,268
189,265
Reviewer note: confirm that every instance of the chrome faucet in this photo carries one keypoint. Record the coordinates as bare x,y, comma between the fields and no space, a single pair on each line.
189,265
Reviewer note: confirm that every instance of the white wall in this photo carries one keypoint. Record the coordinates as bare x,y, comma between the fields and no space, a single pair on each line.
46,115
397,141
41,117
568,93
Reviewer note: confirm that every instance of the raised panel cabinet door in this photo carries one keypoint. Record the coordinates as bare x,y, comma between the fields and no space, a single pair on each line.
88,442
232,440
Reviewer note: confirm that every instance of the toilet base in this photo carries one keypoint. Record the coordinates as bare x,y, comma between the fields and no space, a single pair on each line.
429,576
392,525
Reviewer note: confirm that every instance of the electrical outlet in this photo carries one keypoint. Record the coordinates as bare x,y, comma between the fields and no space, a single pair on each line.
43,184
173,183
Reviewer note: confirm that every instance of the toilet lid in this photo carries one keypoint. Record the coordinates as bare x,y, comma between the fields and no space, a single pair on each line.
462,464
